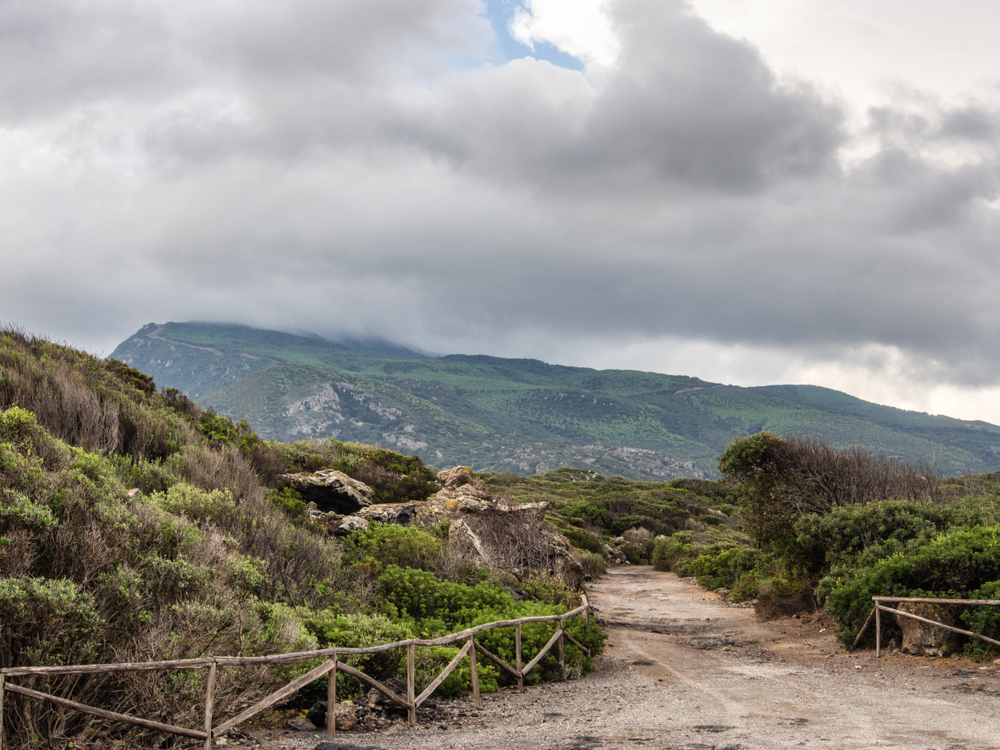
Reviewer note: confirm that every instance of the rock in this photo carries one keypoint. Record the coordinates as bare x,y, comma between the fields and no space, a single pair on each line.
300,724
331,491
345,746
347,718
378,701
349,525
454,478
399,514
922,639
464,542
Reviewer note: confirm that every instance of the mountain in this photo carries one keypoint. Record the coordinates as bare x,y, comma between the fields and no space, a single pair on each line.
521,415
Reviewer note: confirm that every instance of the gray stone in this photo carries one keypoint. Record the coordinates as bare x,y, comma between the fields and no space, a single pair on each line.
379,701
332,491
399,514
350,524
927,640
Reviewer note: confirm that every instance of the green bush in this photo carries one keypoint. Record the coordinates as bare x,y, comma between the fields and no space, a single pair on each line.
668,551
584,540
361,631
953,565
388,544
736,568
861,535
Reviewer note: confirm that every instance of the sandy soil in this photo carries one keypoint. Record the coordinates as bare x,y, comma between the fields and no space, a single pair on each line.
685,670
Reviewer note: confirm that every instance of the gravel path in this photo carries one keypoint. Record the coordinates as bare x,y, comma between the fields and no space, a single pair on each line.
685,670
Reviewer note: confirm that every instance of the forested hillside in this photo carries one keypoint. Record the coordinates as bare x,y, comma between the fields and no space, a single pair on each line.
522,416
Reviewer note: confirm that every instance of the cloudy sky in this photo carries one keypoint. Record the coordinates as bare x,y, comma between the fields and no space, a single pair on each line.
779,191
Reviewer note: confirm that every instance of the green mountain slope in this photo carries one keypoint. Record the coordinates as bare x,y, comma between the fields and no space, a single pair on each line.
520,415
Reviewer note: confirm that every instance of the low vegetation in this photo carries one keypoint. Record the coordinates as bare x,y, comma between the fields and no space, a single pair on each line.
827,528
136,526
610,518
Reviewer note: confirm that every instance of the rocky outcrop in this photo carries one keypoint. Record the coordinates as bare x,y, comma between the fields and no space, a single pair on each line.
331,491
927,640
485,530
499,533
452,479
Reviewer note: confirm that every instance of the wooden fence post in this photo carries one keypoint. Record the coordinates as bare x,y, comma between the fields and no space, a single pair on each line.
562,653
3,679
209,704
878,630
517,648
331,701
411,682
476,700
586,612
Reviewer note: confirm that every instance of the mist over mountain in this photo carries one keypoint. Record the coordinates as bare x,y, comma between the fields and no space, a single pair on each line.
520,415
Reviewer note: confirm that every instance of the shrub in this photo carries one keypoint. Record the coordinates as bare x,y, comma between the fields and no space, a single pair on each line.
668,551
387,544
360,631
593,565
861,535
953,565
638,545
779,480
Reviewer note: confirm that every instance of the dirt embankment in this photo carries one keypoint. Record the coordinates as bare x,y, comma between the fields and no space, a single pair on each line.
684,670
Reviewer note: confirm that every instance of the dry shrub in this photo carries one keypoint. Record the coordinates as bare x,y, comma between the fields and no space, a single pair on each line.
216,468
638,545
772,605
514,541
85,401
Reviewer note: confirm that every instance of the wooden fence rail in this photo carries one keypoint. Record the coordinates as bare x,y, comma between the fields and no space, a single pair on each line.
330,666
879,608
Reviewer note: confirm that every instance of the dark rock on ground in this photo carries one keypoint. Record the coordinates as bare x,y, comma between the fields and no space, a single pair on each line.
300,724
346,715
378,701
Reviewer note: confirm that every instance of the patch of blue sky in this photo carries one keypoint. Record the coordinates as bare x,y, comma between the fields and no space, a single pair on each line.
500,13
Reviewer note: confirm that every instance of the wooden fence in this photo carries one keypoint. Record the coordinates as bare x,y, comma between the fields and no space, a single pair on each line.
332,664
879,608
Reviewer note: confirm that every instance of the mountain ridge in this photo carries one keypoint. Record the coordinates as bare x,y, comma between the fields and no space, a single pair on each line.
522,415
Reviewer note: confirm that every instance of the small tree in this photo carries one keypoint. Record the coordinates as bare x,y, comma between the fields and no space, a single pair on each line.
779,480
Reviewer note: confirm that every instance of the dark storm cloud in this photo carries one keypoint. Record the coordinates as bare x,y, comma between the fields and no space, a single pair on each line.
352,167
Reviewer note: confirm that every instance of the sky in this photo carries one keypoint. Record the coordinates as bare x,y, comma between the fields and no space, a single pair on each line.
782,191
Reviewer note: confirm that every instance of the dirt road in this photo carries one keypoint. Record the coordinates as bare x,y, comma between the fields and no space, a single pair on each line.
684,670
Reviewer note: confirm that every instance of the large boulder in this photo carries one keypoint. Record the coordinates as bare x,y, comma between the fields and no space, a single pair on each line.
332,491
504,535
454,478
927,640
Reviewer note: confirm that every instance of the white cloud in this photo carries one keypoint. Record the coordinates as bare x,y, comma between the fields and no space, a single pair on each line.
580,28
